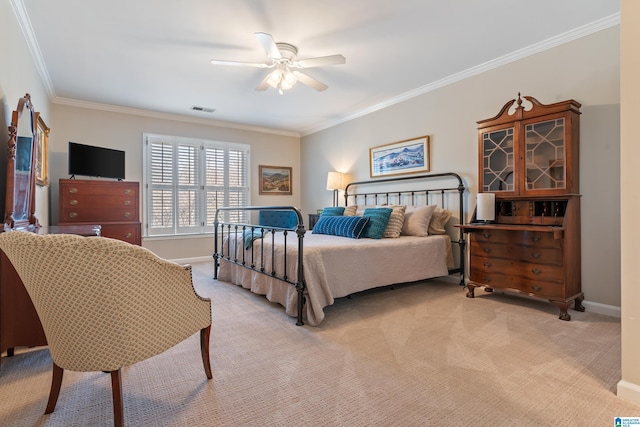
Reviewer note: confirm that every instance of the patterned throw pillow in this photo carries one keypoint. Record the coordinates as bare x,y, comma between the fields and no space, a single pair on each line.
378,220
394,226
345,226
350,210
333,211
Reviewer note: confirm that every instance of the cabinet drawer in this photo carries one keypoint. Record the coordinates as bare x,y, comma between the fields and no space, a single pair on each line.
530,254
102,202
128,232
521,237
525,270
96,214
532,287
69,188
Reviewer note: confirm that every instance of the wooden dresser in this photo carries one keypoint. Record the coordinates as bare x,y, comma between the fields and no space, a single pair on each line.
114,205
529,160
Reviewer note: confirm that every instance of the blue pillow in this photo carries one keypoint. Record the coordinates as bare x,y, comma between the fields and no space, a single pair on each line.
345,226
250,235
378,220
333,211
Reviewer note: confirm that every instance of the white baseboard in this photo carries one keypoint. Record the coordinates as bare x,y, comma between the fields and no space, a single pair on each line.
193,260
607,310
629,392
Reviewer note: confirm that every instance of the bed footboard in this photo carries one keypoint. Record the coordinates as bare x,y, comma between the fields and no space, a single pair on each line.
246,232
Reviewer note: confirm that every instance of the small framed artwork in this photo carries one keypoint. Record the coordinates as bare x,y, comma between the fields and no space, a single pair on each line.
408,156
275,180
42,151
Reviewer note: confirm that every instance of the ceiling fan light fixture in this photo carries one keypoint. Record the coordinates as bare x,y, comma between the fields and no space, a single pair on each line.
274,78
289,78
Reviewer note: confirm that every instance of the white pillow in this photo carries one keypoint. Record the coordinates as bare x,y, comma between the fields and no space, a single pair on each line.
438,221
416,220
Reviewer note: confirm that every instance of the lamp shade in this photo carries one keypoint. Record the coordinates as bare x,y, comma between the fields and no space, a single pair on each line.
486,207
334,181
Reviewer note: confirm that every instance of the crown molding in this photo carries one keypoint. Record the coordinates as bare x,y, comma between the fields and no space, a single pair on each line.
170,116
27,30
577,33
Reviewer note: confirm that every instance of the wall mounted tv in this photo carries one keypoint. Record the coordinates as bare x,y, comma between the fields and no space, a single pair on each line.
100,162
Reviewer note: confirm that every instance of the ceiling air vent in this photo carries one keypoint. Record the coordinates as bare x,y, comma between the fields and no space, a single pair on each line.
203,109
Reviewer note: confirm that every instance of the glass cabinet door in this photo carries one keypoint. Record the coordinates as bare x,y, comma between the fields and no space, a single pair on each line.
498,160
545,155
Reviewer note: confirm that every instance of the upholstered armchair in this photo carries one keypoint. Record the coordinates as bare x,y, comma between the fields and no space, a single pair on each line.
105,304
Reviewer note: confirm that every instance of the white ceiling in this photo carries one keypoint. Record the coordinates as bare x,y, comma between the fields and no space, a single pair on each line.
154,54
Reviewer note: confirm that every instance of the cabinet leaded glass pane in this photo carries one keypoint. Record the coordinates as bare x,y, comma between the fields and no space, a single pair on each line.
497,154
545,155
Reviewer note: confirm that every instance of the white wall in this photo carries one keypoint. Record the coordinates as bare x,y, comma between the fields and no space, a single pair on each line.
629,386
124,132
586,70
18,76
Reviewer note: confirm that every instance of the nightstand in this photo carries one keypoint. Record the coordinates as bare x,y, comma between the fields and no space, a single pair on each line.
313,218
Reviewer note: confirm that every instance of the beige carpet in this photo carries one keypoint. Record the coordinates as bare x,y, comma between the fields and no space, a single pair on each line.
418,355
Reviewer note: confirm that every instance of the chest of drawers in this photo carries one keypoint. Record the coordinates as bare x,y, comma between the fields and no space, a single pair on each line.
532,259
115,205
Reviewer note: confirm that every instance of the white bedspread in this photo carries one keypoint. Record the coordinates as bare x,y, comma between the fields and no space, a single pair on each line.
335,267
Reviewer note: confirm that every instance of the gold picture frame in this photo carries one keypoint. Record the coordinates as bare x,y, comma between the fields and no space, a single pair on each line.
402,157
42,151
275,180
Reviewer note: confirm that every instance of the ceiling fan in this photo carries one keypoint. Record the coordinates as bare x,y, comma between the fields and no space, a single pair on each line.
286,66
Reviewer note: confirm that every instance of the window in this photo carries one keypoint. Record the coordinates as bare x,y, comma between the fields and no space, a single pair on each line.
187,179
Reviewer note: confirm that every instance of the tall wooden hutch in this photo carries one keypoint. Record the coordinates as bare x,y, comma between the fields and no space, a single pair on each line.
529,158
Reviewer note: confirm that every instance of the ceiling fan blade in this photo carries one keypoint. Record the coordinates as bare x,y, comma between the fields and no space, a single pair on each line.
320,61
309,81
264,84
236,63
269,45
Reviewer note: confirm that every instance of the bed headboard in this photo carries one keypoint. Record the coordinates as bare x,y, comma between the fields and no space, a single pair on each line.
445,190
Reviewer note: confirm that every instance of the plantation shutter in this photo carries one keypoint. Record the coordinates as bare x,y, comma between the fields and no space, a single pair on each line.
187,179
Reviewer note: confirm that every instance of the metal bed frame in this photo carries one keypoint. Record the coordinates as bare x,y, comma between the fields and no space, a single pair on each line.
297,279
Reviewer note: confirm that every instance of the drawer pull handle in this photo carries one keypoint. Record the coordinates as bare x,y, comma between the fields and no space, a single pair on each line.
486,234
536,271
487,250
73,190
127,214
536,288
73,215
536,238
128,235
486,279
536,254
73,202
127,191
127,202
487,264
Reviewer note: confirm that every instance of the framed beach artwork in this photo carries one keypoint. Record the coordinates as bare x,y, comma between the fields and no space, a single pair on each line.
402,157
275,180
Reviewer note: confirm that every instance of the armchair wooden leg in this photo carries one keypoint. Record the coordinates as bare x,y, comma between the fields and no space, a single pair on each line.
204,349
56,382
116,392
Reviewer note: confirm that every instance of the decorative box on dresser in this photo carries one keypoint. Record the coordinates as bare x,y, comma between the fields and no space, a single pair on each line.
529,159
115,205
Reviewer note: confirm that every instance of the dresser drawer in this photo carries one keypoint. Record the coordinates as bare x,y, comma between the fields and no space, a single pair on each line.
129,232
530,254
525,270
79,188
517,283
526,238
96,214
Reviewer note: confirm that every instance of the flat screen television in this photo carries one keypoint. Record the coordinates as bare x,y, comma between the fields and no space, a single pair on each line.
100,162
